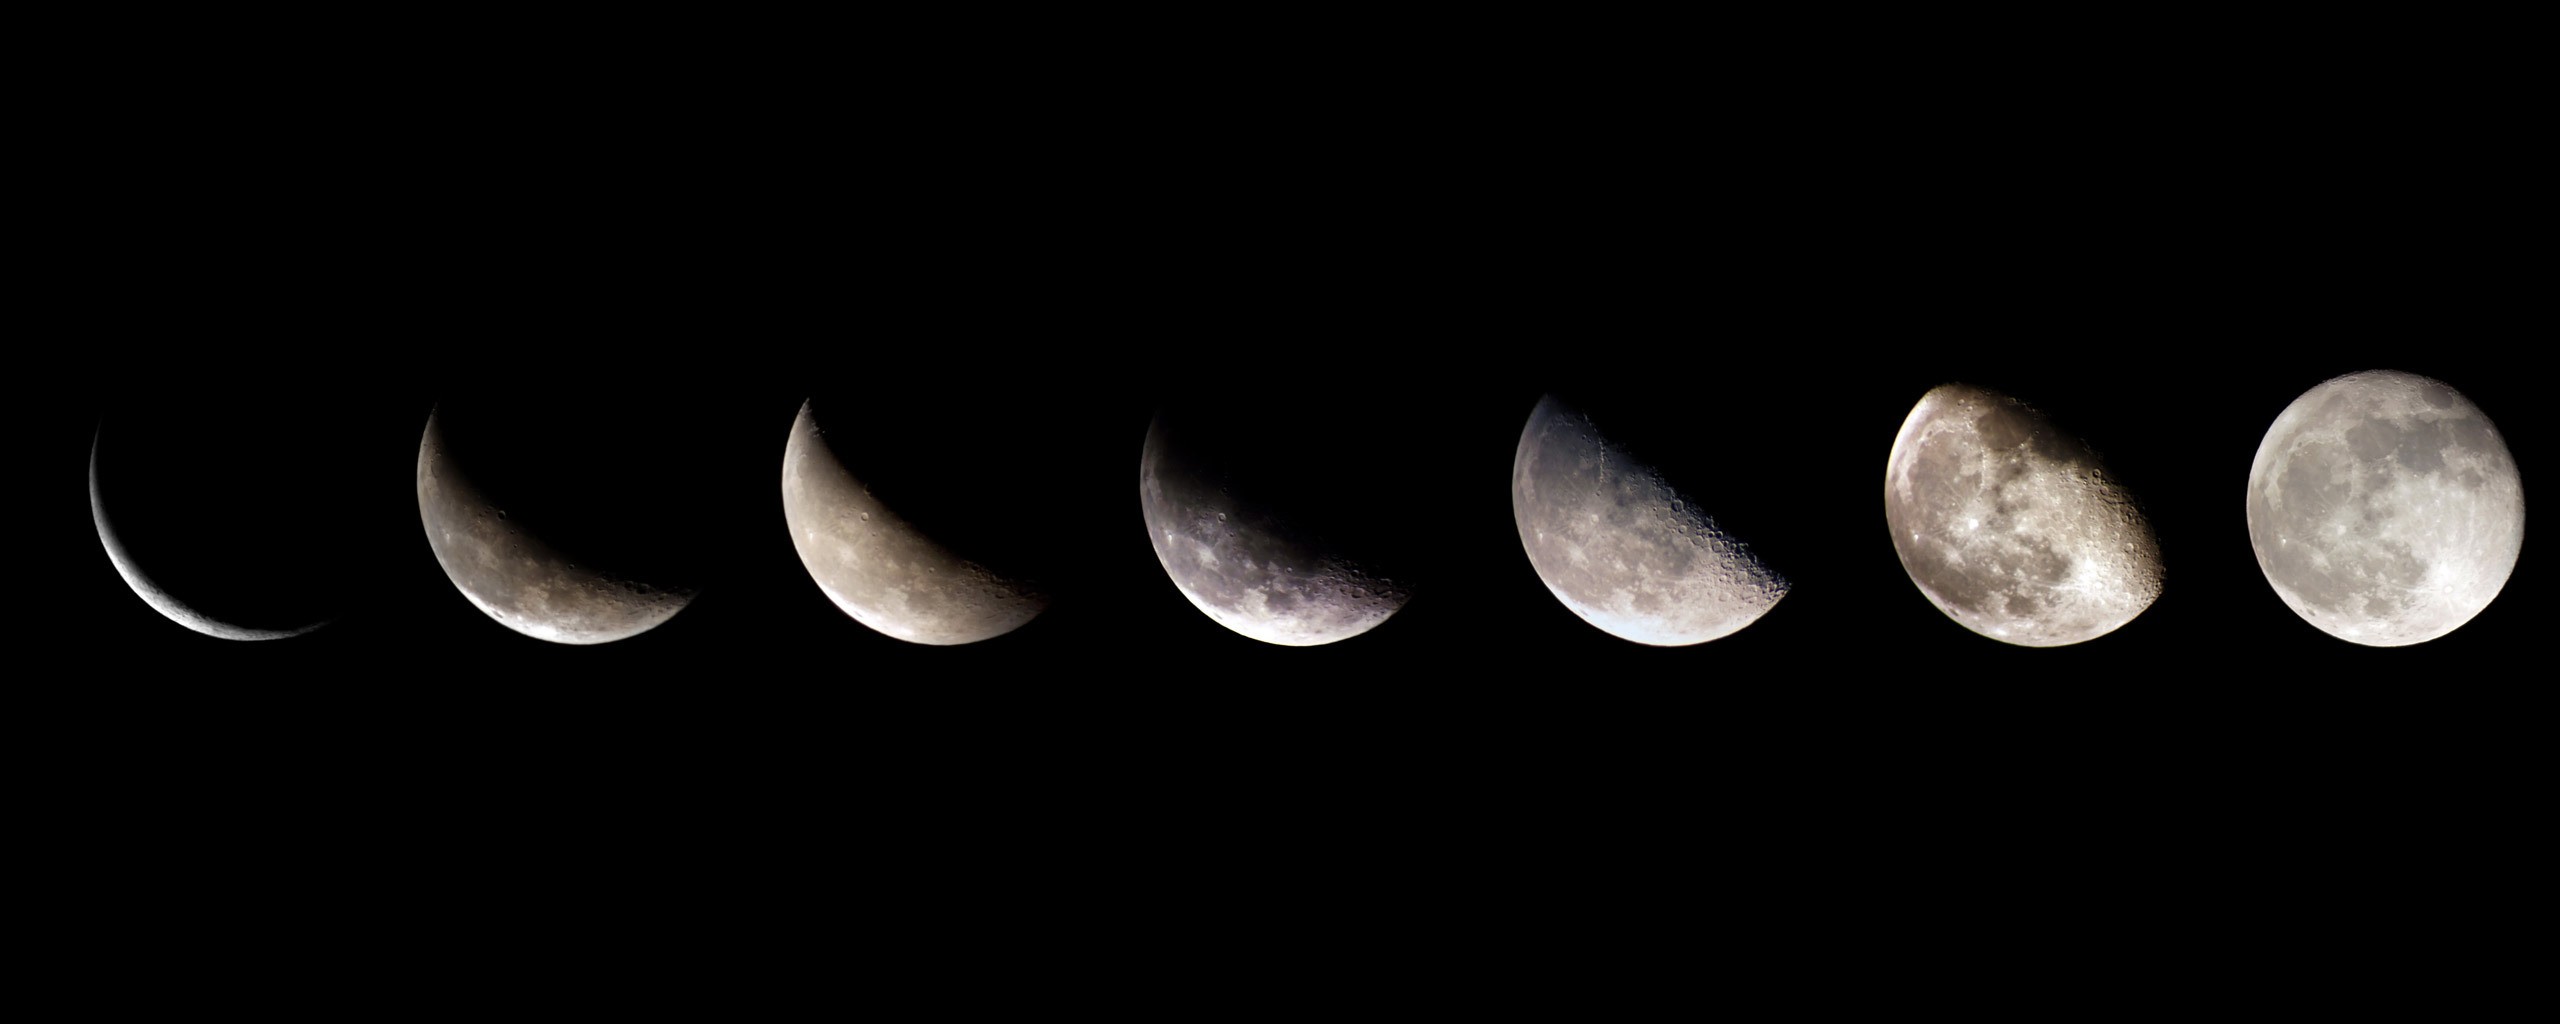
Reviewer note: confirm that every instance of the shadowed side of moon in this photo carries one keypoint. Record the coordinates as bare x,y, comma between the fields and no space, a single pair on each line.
2385,509
879,568
519,577
1249,529
1620,546
2012,528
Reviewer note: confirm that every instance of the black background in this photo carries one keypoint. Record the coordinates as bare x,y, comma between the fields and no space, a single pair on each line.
1769,269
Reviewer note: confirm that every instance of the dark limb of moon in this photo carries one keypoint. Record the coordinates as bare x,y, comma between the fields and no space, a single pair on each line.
1620,546
879,568
519,577
2010,527
2385,509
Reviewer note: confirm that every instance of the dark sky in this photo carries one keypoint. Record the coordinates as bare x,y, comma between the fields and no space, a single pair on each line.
1771,302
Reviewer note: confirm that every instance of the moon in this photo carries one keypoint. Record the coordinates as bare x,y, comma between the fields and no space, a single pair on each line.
2012,528
1250,561
1620,546
523,580
879,568
150,590
2385,508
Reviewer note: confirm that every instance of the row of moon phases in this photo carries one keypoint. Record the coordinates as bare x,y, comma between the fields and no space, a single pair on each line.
2384,509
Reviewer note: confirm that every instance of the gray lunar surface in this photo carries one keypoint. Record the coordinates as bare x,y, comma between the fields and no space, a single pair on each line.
517,578
1250,571
879,568
2013,529
1620,546
2385,508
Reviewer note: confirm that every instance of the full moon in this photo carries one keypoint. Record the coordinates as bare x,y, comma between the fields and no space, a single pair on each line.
1254,545
1620,546
2385,508
522,577
876,566
2013,529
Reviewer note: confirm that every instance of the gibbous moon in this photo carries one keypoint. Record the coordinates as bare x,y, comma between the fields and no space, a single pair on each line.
1622,547
2385,508
879,568
151,591
1227,532
518,576
2011,528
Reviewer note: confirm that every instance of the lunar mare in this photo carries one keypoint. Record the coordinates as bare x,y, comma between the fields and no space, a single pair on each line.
2013,529
880,569
1620,546
1248,569
151,592
517,578
2385,509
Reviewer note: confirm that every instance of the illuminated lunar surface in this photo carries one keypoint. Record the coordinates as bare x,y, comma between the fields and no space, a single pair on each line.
1256,570
2013,529
524,581
1620,546
879,568
2385,508
157,596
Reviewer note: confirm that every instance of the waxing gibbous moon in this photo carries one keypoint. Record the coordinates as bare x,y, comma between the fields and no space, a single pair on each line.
518,576
1620,546
878,567
1249,558
2385,508
2013,529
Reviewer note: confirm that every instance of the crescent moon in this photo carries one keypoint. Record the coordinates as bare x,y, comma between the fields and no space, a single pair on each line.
517,578
150,591
881,569
1247,569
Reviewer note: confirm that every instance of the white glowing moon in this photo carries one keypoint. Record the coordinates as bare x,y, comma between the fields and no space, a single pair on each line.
2011,528
1622,548
2385,508
876,566
150,590
1248,569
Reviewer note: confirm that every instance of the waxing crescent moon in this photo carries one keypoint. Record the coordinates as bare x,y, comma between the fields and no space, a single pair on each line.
2385,508
1253,570
879,568
521,580
149,590
1620,546
2012,528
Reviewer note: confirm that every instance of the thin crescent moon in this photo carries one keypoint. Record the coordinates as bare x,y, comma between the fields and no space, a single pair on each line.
150,592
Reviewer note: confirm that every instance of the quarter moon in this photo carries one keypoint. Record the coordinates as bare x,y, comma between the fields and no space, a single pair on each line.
149,590
519,579
1254,569
2385,509
880,569
2012,528
1620,546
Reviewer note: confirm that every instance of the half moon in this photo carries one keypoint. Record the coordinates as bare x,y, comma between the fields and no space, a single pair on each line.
150,591
519,579
879,568
1621,547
